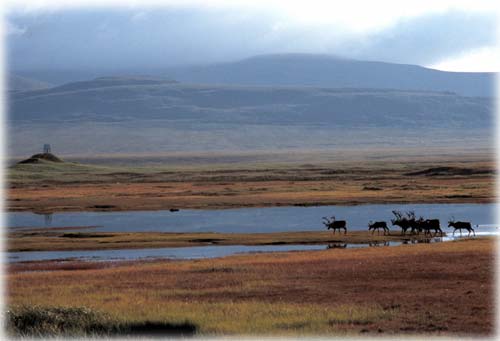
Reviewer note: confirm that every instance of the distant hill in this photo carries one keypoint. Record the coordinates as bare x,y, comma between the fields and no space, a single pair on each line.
102,82
18,83
121,99
147,115
300,70
333,72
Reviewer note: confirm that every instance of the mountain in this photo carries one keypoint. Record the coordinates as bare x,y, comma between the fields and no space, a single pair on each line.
18,83
300,70
121,99
334,72
143,115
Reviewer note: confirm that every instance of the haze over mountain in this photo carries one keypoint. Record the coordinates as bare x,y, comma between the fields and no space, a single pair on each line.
302,70
333,72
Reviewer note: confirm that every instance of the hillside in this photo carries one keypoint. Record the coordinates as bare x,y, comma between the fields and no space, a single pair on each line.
330,71
299,70
135,115
121,100
18,83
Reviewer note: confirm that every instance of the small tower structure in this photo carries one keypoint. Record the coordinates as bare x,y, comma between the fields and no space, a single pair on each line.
46,148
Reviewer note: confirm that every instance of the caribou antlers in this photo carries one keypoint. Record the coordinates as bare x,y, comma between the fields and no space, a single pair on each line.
410,215
397,214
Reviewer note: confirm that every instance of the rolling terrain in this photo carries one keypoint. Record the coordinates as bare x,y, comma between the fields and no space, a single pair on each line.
295,69
69,186
319,70
284,102
130,115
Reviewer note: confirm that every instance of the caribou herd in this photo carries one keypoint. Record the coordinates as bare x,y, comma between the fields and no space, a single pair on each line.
406,221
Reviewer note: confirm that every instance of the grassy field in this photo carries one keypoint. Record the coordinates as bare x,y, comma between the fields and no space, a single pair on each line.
443,289
53,187
39,240
438,289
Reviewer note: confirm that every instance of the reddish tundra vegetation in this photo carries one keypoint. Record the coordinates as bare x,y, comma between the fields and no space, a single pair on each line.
444,289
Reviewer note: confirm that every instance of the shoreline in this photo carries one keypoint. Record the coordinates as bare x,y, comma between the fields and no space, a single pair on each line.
28,240
56,210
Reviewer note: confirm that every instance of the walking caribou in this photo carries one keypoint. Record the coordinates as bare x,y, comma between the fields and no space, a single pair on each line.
377,226
459,225
404,222
428,225
334,224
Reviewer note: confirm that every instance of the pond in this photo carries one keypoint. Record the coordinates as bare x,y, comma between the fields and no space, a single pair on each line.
244,220
249,220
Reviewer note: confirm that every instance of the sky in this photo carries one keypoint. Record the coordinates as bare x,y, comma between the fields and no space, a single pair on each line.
90,34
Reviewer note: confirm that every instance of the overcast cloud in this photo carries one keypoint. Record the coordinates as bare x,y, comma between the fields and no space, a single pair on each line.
156,38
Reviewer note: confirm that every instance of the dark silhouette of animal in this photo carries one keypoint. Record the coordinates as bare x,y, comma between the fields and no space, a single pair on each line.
415,224
334,224
461,225
430,224
377,226
404,222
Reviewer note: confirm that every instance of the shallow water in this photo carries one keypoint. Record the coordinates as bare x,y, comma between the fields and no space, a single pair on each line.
244,220
251,220
197,252
191,252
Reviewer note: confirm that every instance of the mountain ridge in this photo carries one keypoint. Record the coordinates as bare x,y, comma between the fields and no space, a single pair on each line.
300,69
321,70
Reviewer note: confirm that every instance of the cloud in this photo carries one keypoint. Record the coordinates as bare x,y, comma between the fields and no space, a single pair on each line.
428,39
155,38
12,29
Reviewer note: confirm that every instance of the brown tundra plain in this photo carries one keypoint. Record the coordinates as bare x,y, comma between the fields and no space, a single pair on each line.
418,289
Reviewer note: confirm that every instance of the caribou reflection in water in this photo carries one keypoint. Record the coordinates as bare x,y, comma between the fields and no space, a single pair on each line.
422,241
379,243
336,246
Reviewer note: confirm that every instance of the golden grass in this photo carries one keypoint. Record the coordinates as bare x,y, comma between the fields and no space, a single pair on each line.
243,318
409,289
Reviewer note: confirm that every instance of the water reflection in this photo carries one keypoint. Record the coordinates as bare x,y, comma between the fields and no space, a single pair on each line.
379,243
425,240
196,252
336,246
47,218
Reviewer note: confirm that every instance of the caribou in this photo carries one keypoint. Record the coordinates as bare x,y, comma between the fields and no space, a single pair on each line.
428,225
459,225
404,222
377,226
334,224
